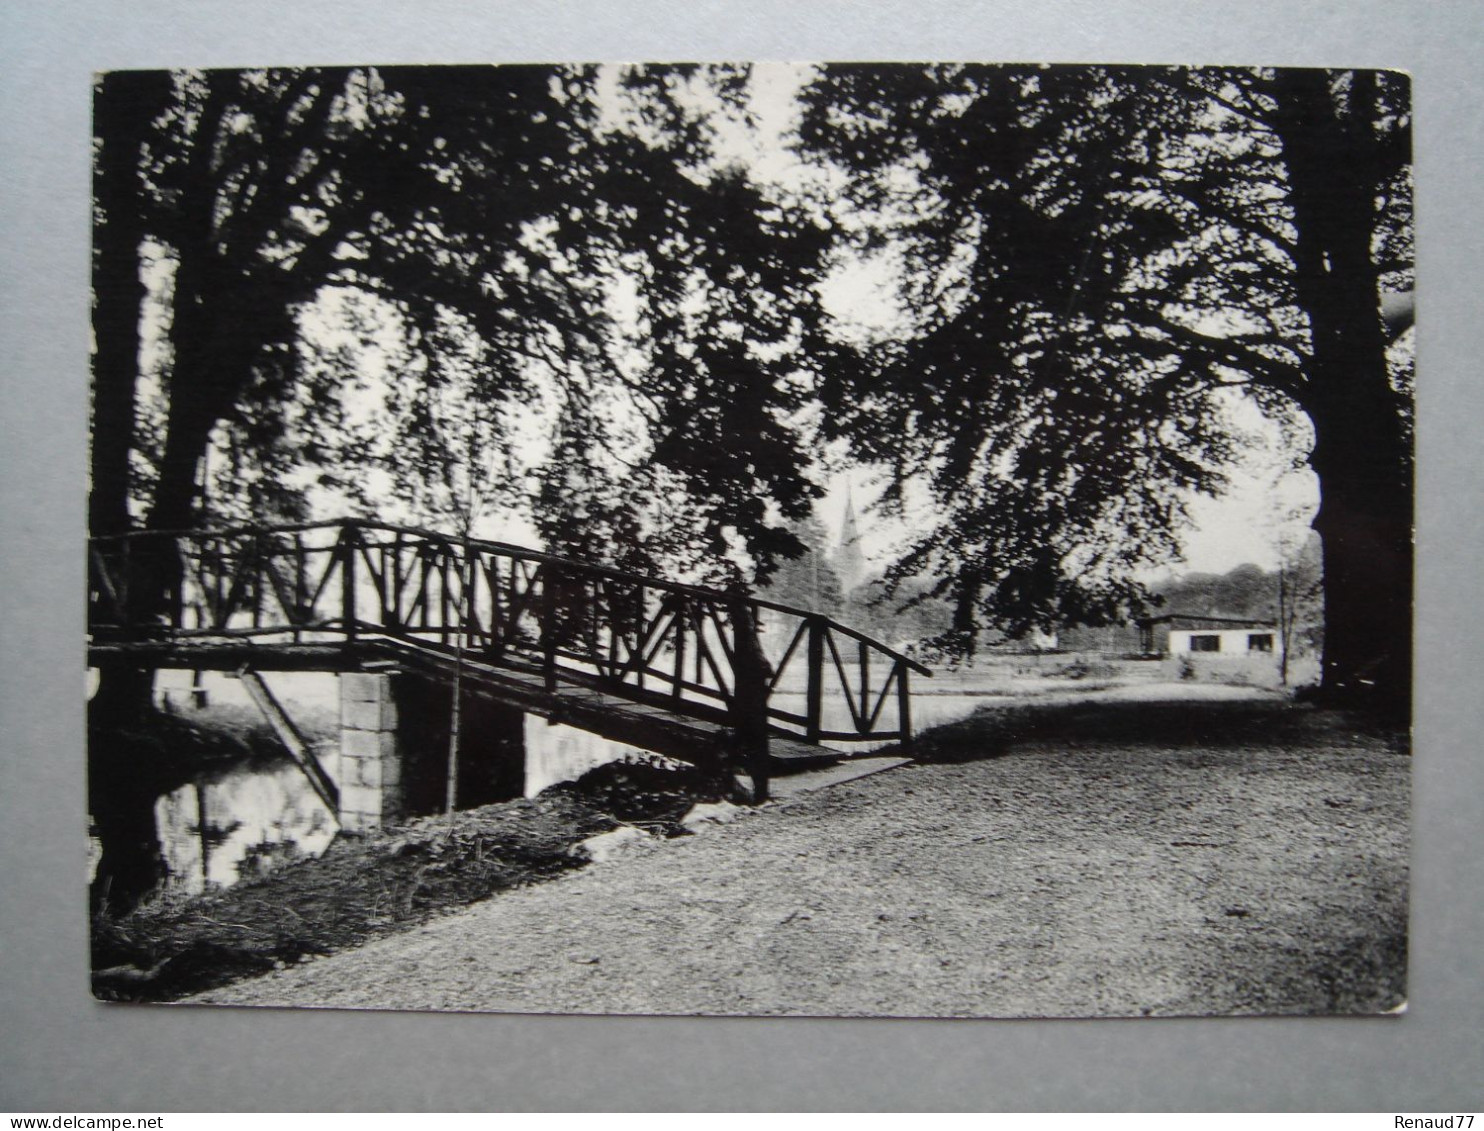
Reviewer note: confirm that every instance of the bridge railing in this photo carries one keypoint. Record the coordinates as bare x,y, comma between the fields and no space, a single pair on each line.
693,649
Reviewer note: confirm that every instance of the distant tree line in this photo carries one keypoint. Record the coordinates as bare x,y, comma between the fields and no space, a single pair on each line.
911,614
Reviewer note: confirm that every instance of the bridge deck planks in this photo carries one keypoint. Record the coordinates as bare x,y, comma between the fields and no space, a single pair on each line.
619,719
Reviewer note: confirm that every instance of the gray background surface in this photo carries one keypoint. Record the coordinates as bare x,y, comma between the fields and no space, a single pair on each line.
61,1051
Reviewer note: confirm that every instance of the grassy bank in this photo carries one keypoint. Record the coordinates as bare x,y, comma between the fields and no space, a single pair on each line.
366,887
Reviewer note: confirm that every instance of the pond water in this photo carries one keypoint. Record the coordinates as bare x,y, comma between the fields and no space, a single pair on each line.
235,818
240,824
240,821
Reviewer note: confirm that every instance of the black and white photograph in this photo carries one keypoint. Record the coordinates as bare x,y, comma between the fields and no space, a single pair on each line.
901,540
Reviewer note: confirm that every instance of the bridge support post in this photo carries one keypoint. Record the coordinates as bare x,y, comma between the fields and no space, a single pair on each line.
753,675
394,730
371,792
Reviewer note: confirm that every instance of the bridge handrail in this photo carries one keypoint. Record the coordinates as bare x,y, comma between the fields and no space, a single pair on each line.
524,553
654,639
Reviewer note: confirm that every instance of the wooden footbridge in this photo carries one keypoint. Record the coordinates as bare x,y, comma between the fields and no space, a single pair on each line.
683,670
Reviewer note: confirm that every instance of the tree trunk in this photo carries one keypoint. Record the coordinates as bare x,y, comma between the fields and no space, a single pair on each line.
126,105
122,803
207,373
1365,524
125,108
124,695
1360,455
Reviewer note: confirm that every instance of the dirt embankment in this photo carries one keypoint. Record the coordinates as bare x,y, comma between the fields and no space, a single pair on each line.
1086,859
367,887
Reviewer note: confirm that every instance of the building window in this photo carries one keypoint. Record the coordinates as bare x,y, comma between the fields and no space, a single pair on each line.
1211,643
1260,642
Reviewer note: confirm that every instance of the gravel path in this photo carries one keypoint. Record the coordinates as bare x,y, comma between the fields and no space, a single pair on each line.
1117,869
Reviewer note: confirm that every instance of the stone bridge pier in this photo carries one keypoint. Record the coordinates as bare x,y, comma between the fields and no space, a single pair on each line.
394,736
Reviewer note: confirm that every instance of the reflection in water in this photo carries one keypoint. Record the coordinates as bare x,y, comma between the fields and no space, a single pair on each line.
240,821
198,799
238,825
557,753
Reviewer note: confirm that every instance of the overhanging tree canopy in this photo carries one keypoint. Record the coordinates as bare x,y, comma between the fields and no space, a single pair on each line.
1096,258
1094,261
488,219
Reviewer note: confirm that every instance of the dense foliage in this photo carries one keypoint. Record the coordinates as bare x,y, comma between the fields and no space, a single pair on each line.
447,292
1094,263
568,296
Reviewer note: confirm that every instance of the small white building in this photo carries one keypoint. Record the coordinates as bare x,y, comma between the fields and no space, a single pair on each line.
1226,641
1177,634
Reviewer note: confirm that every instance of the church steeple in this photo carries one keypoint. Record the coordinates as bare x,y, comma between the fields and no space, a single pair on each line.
850,559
